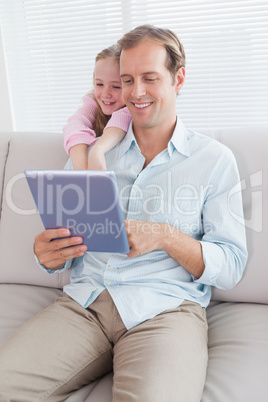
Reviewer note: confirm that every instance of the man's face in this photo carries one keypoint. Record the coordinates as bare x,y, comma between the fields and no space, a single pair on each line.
148,88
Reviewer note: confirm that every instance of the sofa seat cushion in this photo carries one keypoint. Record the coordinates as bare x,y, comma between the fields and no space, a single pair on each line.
238,353
18,303
238,345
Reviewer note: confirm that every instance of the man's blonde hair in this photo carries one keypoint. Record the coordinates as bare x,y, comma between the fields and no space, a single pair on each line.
174,48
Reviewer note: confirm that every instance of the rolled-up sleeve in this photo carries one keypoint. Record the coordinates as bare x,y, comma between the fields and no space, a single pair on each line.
80,126
224,241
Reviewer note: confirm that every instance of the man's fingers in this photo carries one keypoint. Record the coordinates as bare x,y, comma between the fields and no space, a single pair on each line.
59,257
45,237
50,234
45,241
55,246
63,243
68,253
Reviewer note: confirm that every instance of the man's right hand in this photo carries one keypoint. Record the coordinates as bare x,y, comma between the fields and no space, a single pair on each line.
54,254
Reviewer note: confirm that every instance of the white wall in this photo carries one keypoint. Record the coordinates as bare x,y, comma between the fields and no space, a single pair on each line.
5,111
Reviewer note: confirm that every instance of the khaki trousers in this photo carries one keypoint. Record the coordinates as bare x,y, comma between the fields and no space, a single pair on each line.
66,346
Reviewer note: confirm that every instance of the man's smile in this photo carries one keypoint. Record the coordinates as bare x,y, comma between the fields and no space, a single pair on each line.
142,105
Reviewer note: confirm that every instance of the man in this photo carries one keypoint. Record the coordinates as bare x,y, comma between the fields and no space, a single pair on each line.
143,314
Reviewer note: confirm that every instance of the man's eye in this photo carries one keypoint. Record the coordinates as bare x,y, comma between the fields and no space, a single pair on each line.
127,81
151,79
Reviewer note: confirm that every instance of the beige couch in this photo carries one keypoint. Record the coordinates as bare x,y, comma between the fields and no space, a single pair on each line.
238,319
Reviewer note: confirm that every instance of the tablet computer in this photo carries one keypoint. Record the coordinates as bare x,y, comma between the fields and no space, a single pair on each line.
84,201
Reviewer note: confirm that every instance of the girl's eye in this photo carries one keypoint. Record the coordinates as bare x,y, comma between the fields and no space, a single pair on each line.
98,84
117,87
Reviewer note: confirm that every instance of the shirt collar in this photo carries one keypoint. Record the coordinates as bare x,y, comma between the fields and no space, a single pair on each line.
178,141
128,141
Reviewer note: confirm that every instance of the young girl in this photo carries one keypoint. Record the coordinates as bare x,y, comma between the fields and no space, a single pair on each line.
90,120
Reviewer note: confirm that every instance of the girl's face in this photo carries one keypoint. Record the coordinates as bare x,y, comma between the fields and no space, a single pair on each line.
107,85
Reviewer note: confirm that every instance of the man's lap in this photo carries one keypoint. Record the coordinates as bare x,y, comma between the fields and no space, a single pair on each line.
67,346
57,347
164,358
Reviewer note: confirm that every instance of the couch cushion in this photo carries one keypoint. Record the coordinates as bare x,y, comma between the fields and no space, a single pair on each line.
19,225
102,391
238,353
4,143
249,146
18,303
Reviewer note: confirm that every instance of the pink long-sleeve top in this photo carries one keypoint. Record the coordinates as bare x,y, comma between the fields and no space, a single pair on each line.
80,126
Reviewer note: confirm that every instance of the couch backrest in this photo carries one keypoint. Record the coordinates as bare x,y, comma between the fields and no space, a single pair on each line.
249,147
19,225
4,143
45,151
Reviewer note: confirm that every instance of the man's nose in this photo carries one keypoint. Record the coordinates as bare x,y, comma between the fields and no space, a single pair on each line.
138,90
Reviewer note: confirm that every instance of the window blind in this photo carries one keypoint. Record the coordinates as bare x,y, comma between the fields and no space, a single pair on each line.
50,47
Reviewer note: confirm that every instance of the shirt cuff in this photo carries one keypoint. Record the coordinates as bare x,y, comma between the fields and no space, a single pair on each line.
67,265
212,259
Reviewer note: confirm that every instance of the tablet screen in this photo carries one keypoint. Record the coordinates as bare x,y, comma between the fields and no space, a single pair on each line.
86,202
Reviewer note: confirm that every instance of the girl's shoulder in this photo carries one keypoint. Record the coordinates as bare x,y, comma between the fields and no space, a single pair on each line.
89,99
123,111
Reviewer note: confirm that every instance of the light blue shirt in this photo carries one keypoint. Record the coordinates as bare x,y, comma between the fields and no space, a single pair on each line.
192,186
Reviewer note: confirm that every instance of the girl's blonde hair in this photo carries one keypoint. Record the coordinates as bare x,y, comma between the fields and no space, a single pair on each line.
101,118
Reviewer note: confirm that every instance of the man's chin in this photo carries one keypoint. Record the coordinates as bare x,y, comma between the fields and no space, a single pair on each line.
142,121
142,125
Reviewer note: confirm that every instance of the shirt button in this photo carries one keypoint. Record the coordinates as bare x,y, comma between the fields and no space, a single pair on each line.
135,168
111,268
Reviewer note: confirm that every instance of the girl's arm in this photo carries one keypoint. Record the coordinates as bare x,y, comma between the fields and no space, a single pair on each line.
110,138
79,133
113,133
78,154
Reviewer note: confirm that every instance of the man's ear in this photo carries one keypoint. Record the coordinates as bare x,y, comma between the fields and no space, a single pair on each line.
179,78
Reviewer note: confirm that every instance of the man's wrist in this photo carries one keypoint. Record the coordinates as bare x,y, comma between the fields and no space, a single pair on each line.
163,238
